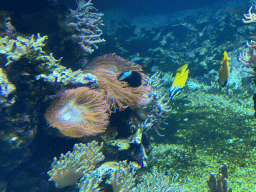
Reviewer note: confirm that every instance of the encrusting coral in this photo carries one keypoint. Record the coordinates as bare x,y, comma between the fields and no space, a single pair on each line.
119,94
78,112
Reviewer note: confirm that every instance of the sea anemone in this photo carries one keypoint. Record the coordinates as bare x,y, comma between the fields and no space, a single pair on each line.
78,112
118,94
112,63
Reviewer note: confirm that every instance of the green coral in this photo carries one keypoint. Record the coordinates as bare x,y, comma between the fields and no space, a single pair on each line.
14,49
46,66
212,127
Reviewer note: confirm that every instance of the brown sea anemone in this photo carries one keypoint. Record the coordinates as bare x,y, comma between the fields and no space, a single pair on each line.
78,112
112,63
119,94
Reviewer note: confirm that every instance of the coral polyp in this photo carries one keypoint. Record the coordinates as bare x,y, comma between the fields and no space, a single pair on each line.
78,112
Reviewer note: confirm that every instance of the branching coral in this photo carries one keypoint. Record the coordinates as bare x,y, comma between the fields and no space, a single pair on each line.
78,112
45,67
15,49
157,106
248,58
250,17
119,94
85,26
73,165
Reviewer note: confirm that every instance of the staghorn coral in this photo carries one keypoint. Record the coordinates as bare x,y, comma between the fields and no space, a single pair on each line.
73,165
15,49
84,26
250,17
119,94
44,66
248,58
78,112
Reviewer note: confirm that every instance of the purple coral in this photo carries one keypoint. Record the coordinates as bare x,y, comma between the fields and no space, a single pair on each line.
85,26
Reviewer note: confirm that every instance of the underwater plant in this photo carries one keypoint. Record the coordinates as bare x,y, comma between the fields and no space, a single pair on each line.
78,112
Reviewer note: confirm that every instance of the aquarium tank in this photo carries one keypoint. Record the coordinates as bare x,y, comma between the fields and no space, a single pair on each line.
128,96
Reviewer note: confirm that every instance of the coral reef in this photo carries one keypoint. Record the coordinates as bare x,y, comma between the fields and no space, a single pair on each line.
10,30
84,26
22,47
44,66
157,106
78,112
73,165
90,182
123,177
200,129
248,57
6,88
157,181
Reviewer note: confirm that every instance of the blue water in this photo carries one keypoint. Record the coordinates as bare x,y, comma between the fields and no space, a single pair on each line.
202,127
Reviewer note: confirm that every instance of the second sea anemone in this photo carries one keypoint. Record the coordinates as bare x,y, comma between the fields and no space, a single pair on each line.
78,112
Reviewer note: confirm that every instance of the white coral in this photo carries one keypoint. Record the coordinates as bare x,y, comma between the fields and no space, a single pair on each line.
73,165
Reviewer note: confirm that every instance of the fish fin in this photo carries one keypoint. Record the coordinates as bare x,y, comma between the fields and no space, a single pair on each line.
223,84
124,75
225,56
183,67
174,91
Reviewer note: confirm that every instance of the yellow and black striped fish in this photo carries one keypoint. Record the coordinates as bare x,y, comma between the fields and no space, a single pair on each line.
179,81
224,70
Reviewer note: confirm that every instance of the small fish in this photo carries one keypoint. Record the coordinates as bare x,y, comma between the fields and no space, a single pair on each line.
124,75
179,81
224,70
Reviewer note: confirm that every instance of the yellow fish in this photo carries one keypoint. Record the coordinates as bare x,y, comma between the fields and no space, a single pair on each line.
224,70
179,81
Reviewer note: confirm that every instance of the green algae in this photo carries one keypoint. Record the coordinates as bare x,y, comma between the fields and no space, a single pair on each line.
209,127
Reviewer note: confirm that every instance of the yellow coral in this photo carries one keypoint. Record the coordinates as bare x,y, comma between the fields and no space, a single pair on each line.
16,48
